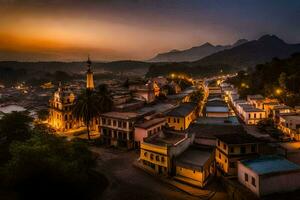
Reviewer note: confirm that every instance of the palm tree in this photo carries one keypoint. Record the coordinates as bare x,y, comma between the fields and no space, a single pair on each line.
87,108
105,100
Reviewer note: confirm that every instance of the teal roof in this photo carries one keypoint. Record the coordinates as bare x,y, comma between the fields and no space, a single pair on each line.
270,164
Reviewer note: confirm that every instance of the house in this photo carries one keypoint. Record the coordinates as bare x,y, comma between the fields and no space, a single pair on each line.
269,174
216,108
234,147
252,115
256,100
180,117
290,125
117,128
206,133
195,165
145,93
147,128
278,110
157,152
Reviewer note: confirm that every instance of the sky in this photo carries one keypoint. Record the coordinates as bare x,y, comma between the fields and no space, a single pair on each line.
69,30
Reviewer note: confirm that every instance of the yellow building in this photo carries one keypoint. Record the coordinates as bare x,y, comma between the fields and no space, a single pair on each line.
158,151
195,166
60,106
60,110
182,116
233,147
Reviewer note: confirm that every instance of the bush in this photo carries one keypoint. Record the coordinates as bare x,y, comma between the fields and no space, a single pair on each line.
50,166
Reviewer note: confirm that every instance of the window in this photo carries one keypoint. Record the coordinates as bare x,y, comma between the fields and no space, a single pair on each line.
254,115
103,121
145,154
249,116
174,120
225,160
119,124
224,146
157,158
178,120
194,171
124,125
151,156
162,159
220,155
66,117
253,181
253,148
169,120
231,149
114,123
109,122
243,149
246,177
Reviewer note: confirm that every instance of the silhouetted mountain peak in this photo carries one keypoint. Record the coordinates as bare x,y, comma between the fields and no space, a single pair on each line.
270,38
207,44
239,42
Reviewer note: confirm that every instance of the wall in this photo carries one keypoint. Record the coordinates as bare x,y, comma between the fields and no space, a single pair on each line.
280,183
241,177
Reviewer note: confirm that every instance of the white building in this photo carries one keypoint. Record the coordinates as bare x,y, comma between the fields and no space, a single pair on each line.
269,174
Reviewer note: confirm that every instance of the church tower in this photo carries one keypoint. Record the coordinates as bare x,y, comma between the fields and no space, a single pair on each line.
89,76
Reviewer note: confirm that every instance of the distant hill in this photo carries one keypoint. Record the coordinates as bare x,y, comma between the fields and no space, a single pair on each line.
76,67
242,55
251,53
194,53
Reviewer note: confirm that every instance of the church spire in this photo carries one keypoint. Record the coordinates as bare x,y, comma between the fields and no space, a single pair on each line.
89,75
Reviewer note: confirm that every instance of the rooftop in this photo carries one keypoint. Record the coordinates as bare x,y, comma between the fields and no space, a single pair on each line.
121,115
216,103
238,138
182,110
165,138
255,97
149,123
194,157
213,130
270,164
293,117
232,120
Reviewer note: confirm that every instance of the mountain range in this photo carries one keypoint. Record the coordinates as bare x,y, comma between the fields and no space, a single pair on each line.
194,53
240,56
251,53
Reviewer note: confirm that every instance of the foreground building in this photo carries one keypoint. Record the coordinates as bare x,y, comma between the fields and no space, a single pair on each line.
117,128
158,151
195,165
234,147
269,174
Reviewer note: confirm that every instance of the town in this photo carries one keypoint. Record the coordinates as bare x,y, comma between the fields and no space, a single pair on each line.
149,100
188,133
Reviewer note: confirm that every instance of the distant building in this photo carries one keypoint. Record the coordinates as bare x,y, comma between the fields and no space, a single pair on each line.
117,128
60,110
269,174
180,117
290,126
60,106
216,108
233,147
278,110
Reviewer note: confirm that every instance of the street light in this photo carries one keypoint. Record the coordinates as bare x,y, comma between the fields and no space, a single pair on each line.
278,91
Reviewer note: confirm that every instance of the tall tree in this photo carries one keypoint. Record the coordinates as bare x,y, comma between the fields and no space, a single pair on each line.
105,100
86,108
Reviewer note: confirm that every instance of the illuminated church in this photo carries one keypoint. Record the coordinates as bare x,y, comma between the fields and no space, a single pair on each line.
60,106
